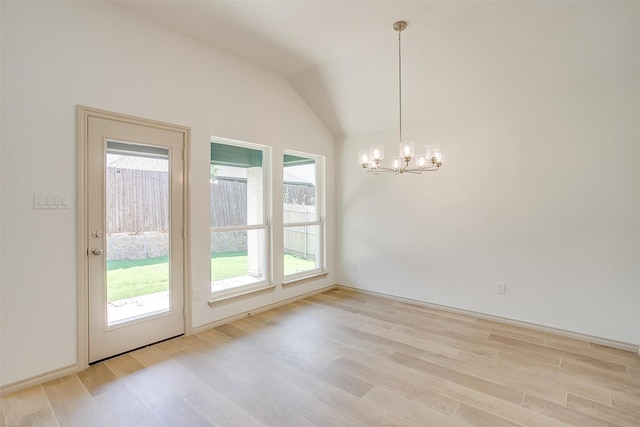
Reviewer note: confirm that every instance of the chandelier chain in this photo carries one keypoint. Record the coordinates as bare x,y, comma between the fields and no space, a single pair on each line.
400,81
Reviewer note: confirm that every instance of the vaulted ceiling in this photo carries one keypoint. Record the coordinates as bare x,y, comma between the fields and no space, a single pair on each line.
341,56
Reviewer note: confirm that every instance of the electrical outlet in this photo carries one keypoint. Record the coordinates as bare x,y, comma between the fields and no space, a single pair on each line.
354,266
195,295
501,288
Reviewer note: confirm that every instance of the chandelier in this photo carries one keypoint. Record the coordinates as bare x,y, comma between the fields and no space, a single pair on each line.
431,160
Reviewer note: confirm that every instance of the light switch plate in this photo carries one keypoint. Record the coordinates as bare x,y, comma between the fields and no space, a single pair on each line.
51,200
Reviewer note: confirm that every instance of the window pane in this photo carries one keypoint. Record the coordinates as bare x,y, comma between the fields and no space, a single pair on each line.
301,249
299,196
236,186
237,258
238,247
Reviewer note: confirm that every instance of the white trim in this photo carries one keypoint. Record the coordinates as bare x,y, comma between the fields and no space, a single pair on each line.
301,224
82,115
260,309
305,276
534,326
239,294
228,228
39,379
237,143
82,326
320,222
186,232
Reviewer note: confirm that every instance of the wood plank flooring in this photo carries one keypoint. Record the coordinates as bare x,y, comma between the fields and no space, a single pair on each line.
347,359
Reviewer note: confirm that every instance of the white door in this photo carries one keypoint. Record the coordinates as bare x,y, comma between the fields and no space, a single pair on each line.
135,242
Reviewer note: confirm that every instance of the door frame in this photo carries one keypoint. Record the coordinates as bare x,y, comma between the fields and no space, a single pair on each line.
83,114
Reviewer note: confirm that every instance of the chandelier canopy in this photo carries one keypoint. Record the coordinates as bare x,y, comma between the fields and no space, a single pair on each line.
431,160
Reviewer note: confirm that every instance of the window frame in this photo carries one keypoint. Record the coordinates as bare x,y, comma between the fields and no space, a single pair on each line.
225,295
320,221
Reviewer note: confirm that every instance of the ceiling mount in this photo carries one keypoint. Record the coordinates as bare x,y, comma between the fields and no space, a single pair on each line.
400,26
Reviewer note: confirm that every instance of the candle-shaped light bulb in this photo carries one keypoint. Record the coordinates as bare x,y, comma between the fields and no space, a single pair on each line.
363,158
395,163
407,151
377,153
436,155
421,161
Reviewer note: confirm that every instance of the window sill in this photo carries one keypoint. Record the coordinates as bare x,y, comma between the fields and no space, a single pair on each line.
300,280
227,299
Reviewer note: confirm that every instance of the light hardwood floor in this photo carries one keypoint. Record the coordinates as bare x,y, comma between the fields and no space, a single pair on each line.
347,359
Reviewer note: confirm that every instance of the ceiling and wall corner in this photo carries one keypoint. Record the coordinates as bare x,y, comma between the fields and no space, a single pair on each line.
333,53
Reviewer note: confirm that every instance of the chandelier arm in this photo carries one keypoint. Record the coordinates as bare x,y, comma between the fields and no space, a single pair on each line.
380,170
422,170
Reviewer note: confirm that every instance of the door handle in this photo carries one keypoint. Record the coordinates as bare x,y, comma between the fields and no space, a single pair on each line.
97,251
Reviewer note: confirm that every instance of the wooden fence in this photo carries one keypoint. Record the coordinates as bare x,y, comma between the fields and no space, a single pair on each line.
300,241
229,197
229,205
138,202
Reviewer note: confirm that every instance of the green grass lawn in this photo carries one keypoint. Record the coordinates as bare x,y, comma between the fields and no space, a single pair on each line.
130,278
228,264
293,264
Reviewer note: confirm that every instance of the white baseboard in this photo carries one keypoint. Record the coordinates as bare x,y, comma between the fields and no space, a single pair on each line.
562,332
38,379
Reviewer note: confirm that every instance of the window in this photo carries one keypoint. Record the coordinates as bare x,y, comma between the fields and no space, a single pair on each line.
303,216
239,225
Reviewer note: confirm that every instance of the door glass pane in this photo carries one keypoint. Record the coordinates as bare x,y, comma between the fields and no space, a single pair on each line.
137,231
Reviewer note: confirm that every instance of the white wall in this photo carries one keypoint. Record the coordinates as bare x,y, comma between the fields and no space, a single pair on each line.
539,114
56,55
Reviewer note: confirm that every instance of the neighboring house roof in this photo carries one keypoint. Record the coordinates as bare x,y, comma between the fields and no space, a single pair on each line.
230,172
137,163
290,178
